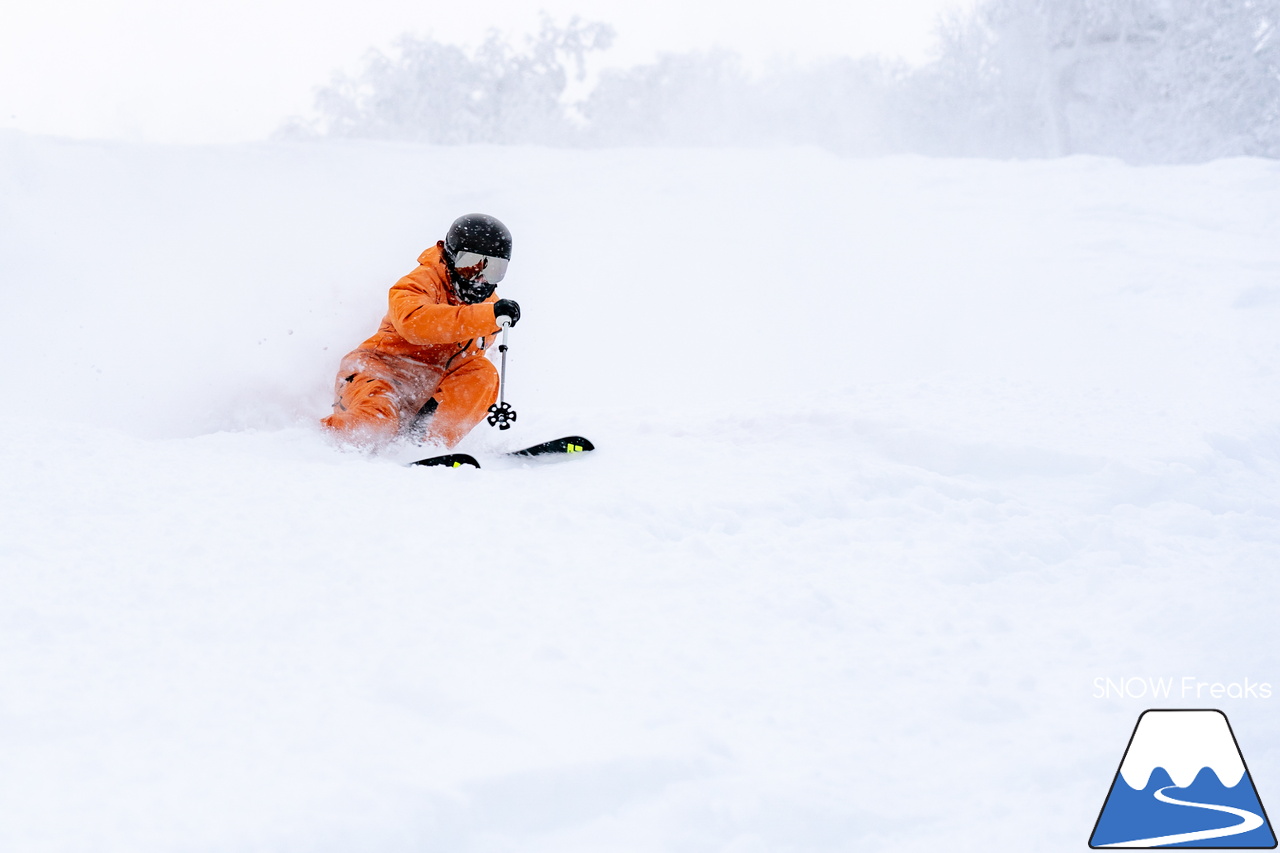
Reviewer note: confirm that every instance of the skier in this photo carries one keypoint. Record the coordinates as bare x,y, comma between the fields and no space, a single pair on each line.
424,372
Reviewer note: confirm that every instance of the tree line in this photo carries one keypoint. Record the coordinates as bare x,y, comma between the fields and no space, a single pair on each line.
1145,80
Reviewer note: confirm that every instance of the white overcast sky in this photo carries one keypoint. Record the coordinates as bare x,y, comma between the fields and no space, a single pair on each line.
233,70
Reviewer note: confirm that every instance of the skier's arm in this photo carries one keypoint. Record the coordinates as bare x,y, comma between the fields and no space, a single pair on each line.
421,320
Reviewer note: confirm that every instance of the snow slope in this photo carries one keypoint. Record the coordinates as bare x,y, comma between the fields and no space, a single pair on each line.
896,457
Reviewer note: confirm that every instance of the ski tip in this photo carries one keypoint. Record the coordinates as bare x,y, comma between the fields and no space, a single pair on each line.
577,444
449,460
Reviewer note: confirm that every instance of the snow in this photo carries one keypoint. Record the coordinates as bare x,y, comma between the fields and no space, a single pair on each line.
896,457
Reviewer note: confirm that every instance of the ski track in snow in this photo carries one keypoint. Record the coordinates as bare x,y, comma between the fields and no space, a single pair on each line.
895,457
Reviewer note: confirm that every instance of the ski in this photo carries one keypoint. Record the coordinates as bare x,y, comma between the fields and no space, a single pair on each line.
448,460
570,444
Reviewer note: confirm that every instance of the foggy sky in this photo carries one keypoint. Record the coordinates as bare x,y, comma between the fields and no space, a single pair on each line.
182,71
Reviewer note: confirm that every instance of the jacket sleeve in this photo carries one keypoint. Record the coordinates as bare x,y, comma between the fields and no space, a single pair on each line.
422,320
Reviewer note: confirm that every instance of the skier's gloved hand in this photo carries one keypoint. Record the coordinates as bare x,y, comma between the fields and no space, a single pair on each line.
506,312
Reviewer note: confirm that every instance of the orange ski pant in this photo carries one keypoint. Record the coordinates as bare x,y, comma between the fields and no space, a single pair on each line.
372,409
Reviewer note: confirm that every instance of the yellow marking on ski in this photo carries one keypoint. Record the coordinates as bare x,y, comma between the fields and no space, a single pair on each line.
575,448
457,464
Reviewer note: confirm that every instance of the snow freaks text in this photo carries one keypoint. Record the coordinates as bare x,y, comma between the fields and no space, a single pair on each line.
1186,687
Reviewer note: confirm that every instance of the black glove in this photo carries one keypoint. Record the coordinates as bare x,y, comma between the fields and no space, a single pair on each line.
506,309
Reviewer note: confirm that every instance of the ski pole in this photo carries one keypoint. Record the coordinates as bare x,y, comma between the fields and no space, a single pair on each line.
501,414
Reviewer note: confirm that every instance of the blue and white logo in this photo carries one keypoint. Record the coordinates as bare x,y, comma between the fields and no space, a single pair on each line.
1183,783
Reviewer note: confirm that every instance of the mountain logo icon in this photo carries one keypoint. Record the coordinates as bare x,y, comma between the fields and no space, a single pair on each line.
1183,783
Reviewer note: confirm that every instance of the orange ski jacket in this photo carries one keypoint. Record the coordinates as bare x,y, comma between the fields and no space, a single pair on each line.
427,323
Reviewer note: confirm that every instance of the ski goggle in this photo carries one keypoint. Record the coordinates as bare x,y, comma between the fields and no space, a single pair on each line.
473,266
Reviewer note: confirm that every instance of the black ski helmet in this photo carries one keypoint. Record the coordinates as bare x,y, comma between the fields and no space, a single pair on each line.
480,234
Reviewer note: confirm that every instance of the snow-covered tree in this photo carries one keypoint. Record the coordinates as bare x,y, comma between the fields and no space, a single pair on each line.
427,91
1143,79
711,98
681,99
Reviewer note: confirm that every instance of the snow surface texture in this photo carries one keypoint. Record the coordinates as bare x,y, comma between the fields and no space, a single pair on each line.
896,457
